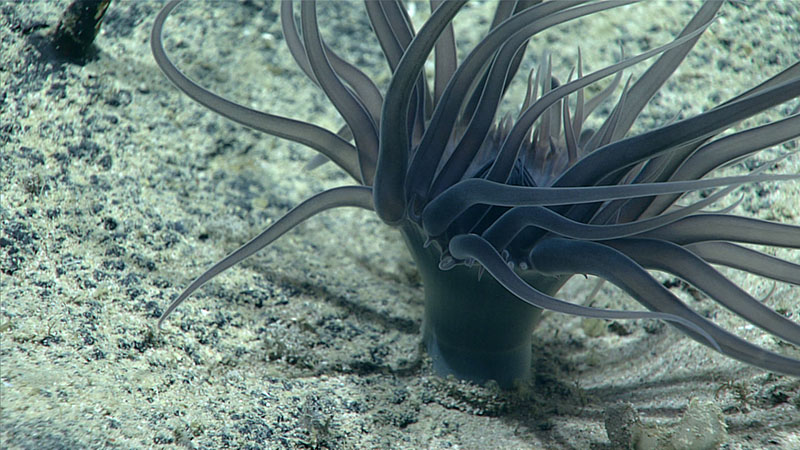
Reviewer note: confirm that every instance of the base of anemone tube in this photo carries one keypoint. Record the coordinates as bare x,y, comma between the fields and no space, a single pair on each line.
506,367
473,328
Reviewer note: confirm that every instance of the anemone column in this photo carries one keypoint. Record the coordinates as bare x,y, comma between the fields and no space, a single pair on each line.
473,328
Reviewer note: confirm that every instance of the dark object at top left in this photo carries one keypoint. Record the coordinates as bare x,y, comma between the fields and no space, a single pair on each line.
73,37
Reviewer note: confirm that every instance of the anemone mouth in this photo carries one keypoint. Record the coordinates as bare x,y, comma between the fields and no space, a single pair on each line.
540,196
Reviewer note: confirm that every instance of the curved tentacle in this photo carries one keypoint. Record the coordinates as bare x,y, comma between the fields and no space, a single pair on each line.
350,108
436,136
503,11
504,229
748,260
674,158
434,141
359,82
671,258
479,125
598,99
445,60
558,256
293,41
329,144
390,203
357,196
724,150
604,135
362,85
402,29
473,246
390,36
635,209
445,208
617,156
651,80
723,227
490,97
510,148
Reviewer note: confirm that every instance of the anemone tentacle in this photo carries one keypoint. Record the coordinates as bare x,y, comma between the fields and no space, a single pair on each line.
356,196
743,258
683,263
320,139
563,256
445,208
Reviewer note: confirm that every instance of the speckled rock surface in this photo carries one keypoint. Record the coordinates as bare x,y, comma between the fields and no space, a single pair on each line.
116,190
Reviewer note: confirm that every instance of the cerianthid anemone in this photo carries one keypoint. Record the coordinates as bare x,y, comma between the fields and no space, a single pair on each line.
499,211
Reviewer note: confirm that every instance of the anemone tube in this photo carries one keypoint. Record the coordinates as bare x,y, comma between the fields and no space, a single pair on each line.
498,213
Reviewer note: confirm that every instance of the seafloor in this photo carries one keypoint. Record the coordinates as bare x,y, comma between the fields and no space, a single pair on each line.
116,190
